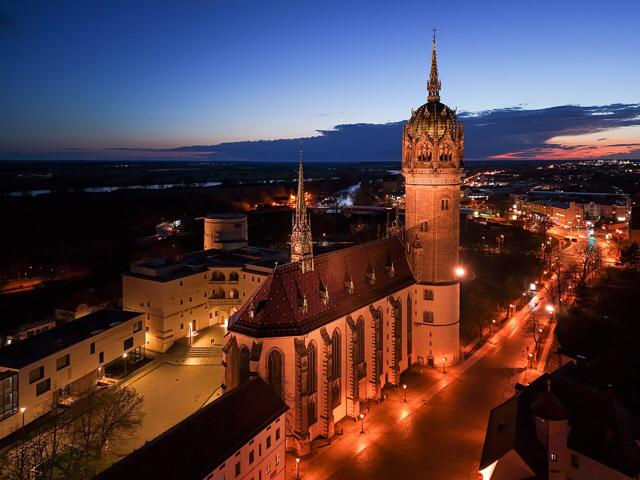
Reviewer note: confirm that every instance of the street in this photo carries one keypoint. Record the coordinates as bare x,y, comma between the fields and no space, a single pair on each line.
438,433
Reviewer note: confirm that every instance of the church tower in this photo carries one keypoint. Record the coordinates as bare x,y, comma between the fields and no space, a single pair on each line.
432,152
301,241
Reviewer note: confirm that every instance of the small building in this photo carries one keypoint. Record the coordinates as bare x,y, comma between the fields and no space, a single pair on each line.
240,435
203,289
225,231
561,427
62,362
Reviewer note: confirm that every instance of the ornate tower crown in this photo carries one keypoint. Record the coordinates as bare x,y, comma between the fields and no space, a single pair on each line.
433,86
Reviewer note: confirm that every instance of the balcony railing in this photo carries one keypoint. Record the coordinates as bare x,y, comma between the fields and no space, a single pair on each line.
225,301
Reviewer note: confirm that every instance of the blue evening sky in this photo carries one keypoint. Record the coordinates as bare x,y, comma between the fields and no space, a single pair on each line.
126,73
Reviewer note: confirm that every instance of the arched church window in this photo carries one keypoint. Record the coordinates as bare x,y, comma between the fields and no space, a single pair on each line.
409,324
245,368
312,357
444,204
275,364
217,276
336,365
234,277
360,333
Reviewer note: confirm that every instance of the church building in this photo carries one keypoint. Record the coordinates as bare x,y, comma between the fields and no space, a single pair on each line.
328,332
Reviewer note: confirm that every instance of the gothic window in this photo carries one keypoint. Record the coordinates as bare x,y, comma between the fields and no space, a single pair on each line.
444,204
275,375
313,382
313,366
244,364
233,293
359,357
336,351
424,226
409,324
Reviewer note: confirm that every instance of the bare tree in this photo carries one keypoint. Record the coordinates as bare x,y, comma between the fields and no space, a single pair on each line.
590,260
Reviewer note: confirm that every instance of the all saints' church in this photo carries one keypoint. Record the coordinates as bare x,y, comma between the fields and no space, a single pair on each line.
328,332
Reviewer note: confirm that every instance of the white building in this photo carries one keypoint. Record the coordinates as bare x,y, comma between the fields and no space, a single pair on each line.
62,362
239,436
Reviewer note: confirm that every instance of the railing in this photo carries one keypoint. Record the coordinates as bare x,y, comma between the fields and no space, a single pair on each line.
225,301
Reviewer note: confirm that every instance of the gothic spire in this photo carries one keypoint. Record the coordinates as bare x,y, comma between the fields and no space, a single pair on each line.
433,86
301,206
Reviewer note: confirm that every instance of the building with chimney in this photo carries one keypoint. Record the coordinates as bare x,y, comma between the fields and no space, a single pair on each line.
328,332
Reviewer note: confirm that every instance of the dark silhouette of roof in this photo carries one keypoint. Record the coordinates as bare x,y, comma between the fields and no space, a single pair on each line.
203,441
291,302
32,349
602,428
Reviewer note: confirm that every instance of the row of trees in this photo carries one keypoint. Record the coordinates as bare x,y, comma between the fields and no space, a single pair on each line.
71,442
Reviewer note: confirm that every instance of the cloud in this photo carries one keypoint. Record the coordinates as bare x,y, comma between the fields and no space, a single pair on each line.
562,132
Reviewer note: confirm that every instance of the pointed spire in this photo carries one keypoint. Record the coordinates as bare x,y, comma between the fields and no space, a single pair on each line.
433,87
301,206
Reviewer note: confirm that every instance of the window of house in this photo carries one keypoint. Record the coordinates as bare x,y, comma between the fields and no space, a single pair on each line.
137,326
181,283
427,317
190,299
181,302
92,348
575,461
269,441
63,362
8,394
237,469
101,357
43,386
428,294
182,326
36,374
260,449
128,343
277,434
251,457
553,457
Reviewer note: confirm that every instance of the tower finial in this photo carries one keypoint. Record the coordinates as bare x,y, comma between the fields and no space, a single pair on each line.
433,86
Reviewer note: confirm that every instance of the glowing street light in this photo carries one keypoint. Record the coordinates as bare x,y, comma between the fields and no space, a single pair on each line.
460,272
404,387
550,308
124,358
444,361
297,467
22,410
362,423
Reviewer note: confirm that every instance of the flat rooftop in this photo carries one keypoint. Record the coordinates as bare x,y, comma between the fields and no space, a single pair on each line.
194,447
37,347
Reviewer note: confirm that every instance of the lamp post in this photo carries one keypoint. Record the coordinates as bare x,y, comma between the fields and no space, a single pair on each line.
22,410
124,357
362,423
531,360
297,467
404,387
444,361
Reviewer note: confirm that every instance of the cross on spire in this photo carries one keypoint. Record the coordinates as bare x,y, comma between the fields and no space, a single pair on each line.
433,86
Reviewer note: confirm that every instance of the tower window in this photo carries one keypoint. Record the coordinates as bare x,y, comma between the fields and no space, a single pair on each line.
424,226
444,204
428,294
427,317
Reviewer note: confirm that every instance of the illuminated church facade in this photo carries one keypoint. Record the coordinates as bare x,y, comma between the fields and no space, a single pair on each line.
328,332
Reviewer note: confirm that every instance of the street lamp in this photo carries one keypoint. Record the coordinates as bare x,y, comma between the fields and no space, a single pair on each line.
531,360
297,467
362,423
460,272
404,387
22,410
124,357
444,360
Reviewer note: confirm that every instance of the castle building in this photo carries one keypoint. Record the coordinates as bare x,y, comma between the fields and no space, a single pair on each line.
327,333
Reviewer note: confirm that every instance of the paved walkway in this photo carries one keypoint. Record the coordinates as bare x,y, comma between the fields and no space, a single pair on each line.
438,432
176,384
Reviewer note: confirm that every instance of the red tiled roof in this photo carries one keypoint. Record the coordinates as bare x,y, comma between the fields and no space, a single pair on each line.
290,302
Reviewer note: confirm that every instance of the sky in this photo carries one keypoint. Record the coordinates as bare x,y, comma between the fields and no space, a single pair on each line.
141,79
